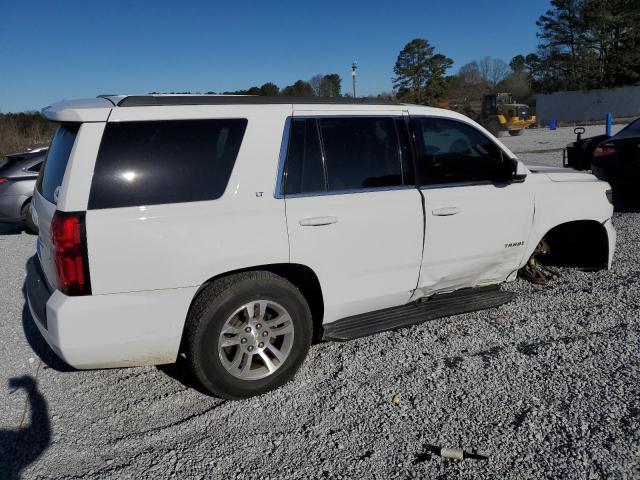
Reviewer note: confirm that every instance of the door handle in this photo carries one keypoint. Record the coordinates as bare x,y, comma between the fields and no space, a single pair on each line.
317,221
445,211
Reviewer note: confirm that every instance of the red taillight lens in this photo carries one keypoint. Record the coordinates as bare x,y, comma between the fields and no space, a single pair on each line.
3,180
70,249
604,151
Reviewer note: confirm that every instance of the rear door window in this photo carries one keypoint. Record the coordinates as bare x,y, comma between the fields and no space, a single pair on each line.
157,162
361,152
304,171
52,172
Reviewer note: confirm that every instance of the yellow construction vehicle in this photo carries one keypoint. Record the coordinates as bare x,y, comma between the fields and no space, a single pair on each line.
501,114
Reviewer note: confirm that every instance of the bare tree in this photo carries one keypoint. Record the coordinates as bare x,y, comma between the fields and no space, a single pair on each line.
493,70
316,83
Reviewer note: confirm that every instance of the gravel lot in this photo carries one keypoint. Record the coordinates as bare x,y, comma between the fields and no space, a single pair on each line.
546,386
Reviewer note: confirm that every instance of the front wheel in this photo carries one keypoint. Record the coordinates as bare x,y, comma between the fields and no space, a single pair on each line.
247,334
516,133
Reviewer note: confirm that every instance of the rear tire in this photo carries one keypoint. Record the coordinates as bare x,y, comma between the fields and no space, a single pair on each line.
30,226
516,133
247,334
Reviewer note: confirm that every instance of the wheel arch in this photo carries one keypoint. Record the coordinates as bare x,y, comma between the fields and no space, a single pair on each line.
301,276
576,243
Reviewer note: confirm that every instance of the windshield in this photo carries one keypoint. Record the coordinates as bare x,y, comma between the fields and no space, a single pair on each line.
52,172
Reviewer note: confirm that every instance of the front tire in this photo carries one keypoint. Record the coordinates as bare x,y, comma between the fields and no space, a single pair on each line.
247,334
516,133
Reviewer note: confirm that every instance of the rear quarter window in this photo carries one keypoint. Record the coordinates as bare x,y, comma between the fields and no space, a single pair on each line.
158,162
52,171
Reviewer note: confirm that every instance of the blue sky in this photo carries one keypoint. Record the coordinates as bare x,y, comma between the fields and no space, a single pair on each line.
52,50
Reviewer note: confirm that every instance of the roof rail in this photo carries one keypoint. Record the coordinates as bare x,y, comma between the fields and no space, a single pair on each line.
169,100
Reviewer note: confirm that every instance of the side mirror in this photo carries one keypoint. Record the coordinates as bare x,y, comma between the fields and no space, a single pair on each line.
520,172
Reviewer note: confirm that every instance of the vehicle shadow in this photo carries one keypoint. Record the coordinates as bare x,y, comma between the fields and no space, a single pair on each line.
22,446
182,374
37,343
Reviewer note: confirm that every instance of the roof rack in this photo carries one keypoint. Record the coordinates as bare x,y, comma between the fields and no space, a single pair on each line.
169,100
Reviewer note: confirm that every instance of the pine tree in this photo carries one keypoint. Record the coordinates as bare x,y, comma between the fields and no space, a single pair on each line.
420,73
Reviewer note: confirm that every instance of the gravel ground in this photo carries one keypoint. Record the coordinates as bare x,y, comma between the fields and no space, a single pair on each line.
546,386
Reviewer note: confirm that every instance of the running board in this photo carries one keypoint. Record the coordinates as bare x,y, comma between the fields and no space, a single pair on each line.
437,306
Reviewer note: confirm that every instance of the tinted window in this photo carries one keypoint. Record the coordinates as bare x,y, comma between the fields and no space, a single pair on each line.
361,152
453,152
304,172
52,172
149,163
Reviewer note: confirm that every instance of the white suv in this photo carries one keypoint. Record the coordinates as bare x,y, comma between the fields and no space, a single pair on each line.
232,230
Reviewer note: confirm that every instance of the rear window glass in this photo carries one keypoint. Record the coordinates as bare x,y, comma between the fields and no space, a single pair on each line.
52,172
156,162
361,152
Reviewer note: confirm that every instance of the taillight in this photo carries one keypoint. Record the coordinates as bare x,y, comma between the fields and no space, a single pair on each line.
3,180
68,235
604,151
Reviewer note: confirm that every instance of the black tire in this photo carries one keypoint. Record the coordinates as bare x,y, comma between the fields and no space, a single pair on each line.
30,226
212,308
516,133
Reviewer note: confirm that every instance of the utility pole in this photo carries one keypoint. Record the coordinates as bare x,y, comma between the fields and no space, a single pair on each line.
353,76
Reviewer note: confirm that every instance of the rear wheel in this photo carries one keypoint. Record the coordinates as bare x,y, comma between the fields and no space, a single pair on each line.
28,219
247,334
516,133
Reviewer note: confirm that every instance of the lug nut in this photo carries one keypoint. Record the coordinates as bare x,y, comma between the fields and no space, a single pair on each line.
243,341
250,348
248,329
265,333
259,326
261,344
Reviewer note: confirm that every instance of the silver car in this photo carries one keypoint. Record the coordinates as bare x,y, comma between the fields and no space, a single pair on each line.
18,175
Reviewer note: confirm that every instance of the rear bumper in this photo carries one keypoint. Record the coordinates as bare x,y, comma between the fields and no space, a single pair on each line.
115,330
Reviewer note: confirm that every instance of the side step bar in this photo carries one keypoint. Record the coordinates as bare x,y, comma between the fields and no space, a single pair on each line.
437,306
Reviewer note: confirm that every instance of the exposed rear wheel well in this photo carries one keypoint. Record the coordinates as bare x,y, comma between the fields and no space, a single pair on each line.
301,276
581,244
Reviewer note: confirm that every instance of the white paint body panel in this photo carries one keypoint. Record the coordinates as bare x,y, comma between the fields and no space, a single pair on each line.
121,330
81,110
147,262
474,246
370,258
185,244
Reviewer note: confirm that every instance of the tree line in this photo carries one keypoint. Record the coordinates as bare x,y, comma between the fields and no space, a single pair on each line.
328,85
583,44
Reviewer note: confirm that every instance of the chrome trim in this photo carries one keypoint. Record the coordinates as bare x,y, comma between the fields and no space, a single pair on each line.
435,186
284,147
350,191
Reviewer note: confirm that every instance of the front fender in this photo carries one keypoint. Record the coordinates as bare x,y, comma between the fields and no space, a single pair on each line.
557,203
